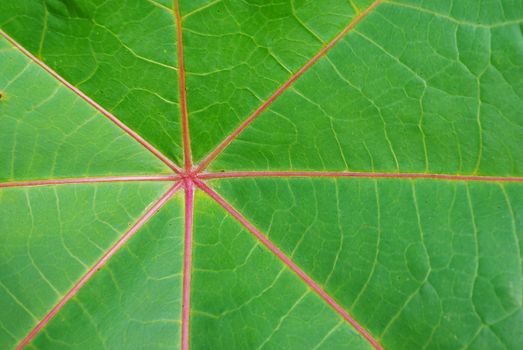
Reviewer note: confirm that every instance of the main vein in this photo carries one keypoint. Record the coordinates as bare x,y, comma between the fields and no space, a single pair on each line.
187,261
84,180
183,95
336,174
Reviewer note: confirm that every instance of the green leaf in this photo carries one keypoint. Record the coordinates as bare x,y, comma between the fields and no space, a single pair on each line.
51,236
135,299
420,272
122,55
49,132
446,99
237,284
284,174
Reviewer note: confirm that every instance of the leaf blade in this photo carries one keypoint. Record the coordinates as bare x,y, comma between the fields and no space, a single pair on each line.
124,64
135,300
40,228
395,96
386,250
260,294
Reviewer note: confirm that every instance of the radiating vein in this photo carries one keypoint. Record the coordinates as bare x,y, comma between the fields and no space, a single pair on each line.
378,175
183,95
187,262
82,180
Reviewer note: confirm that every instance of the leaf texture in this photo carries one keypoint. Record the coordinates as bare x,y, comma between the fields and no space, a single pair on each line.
134,302
237,284
51,236
421,273
247,174
49,132
122,54
444,100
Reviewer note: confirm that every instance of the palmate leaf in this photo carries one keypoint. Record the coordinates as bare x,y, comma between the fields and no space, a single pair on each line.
283,174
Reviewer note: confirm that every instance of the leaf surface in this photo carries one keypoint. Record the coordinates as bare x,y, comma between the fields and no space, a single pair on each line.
122,54
421,273
48,132
248,174
445,99
51,236
134,300
238,284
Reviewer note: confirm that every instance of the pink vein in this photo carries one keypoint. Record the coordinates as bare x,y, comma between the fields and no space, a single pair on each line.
89,100
85,278
287,261
284,87
183,97
240,174
187,261
89,180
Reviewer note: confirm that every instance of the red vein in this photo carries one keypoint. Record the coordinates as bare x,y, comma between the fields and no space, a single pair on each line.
183,97
240,174
89,100
85,278
284,87
287,261
187,261
89,180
